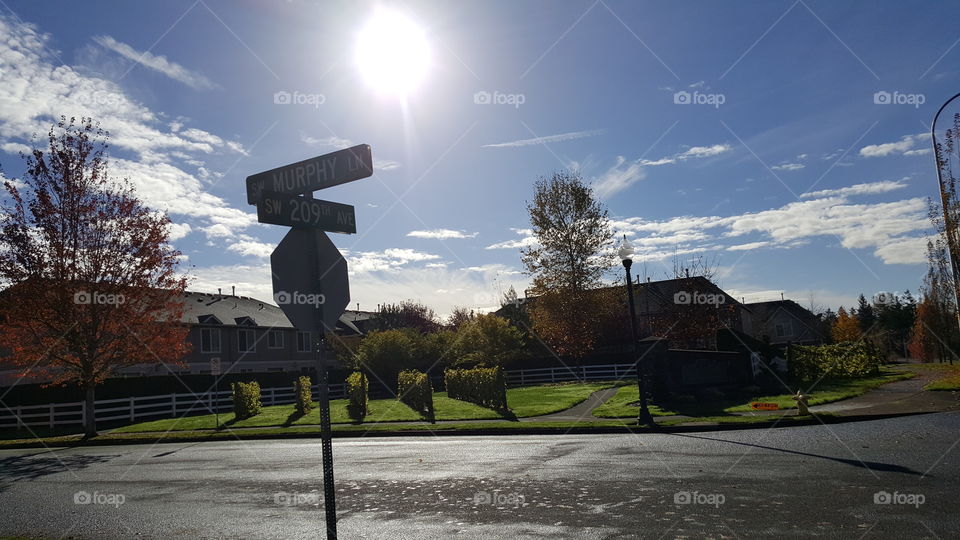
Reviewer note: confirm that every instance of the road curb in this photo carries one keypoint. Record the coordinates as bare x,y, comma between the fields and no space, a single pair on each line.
467,432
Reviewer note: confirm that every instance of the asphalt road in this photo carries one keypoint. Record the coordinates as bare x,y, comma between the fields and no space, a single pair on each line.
813,481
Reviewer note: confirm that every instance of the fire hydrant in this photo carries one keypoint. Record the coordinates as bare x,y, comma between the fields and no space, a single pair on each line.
801,400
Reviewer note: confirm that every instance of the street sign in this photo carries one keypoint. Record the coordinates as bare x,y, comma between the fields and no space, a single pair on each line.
310,280
215,366
295,211
764,406
312,174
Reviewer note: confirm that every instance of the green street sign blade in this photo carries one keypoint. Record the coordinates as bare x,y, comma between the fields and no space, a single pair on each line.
312,174
304,213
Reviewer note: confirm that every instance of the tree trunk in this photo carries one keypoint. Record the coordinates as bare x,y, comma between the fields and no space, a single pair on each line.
90,417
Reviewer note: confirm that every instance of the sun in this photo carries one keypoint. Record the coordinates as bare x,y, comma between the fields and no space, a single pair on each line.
392,53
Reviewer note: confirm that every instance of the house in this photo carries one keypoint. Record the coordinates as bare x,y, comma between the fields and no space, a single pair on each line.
688,311
785,321
254,335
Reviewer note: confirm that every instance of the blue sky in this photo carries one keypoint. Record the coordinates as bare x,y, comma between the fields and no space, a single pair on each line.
782,139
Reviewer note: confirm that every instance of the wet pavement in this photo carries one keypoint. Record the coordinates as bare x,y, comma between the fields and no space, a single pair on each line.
890,478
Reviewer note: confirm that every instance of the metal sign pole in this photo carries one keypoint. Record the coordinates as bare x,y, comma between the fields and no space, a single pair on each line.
329,493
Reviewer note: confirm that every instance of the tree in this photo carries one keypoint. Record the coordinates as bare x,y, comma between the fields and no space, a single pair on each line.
846,327
865,315
459,317
934,333
572,254
489,340
946,215
406,314
386,353
91,279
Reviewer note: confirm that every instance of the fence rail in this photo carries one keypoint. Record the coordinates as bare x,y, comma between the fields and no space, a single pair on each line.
131,409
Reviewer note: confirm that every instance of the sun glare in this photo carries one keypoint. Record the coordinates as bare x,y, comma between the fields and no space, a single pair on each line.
392,53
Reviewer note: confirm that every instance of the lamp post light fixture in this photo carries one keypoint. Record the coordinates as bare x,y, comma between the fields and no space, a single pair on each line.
626,253
953,249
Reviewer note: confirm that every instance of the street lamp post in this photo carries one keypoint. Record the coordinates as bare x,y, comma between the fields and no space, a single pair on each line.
644,417
949,226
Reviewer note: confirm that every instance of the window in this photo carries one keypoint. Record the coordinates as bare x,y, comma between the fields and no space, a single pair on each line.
275,339
246,341
303,342
209,340
784,329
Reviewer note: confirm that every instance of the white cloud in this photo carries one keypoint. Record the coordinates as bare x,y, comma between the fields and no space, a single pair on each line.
251,248
867,188
441,234
617,178
748,246
788,167
178,230
385,164
391,259
332,141
218,230
157,63
526,240
904,146
547,139
15,148
705,151
694,152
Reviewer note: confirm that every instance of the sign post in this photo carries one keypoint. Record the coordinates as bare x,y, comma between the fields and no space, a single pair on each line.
310,282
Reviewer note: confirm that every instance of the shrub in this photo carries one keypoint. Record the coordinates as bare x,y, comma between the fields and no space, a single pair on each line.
246,399
301,391
357,386
486,387
845,360
414,389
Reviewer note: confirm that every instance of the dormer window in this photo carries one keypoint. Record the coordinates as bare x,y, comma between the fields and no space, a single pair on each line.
209,319
245,321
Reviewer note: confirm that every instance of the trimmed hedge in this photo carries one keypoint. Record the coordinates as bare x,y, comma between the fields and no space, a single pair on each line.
845,360
486,387
357,386
301,390
246,399
414,389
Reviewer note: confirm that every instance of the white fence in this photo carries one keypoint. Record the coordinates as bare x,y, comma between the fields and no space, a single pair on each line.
605,372
138,408
173,405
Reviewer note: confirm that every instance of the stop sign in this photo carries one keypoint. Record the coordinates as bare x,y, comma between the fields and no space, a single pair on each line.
310,281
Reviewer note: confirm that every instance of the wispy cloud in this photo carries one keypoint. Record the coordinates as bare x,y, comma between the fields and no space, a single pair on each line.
907,146
694,152
884,186
526,240
547,139
441,234
788,167
157,63
618,178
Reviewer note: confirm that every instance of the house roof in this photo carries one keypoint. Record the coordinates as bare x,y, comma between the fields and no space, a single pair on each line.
232,310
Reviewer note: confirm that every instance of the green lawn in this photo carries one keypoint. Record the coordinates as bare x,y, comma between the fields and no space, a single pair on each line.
825,392
948,376
524,402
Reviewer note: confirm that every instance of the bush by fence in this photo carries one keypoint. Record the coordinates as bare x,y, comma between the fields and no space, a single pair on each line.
301,392
357,386
246,399
845,359
484,386
414,389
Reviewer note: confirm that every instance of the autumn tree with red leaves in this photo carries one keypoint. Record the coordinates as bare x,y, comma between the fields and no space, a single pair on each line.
91,283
